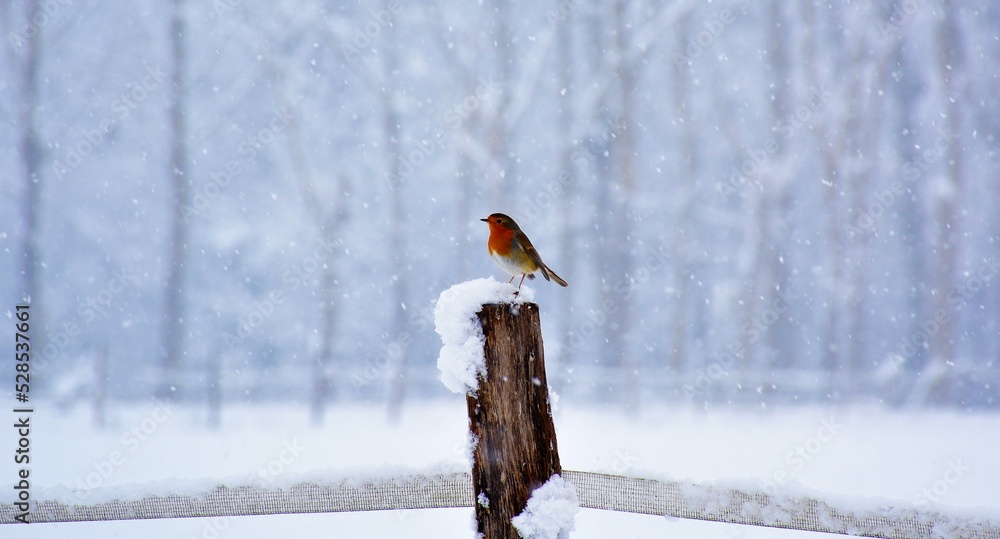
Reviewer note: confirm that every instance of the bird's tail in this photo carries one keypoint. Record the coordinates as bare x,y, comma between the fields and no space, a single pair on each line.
547,273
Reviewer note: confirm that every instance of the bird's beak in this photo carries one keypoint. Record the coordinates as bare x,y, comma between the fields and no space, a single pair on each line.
485,220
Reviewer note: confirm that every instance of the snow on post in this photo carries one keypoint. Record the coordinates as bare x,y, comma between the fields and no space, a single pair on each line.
493,353
455,320
550,511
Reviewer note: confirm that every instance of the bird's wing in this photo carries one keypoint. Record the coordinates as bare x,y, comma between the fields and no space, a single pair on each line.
547,272
529,250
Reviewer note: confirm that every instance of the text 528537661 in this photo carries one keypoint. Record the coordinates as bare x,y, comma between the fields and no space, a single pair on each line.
22,413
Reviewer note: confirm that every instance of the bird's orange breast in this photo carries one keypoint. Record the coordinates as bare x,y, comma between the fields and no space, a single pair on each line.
501,240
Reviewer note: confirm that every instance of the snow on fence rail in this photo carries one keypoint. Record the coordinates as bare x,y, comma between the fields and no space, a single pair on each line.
595,491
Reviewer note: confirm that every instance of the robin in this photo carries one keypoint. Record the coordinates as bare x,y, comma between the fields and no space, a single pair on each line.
513,252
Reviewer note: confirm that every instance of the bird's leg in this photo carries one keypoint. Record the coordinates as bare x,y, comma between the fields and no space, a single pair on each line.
511,279
522,281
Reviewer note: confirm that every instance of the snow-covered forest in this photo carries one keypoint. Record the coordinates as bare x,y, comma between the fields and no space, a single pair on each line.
753,202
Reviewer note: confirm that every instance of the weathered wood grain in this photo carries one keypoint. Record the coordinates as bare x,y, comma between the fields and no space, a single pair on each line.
511,417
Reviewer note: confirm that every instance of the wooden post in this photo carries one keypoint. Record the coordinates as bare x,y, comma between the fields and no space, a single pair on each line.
214,388
511,418
101,385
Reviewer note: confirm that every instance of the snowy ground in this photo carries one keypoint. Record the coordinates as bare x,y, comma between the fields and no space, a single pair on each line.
929,459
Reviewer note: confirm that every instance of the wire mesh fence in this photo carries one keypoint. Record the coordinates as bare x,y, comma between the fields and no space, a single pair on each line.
595,491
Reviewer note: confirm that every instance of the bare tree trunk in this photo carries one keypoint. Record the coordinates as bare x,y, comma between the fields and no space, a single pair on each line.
214,389
329,224
780,336
855,185
174,301
31,160
566,178
765,207
466,249
497,133
621,252
328,229
833,274
681,281
869,132
397,229
324,389
833,137
603,178
857,367
100,402
949,237
27,62
914,234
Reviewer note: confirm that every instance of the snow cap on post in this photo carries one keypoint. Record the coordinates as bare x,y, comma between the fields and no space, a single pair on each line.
550,511
461,361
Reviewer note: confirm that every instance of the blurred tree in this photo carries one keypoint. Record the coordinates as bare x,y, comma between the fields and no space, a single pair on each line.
172,339
565,180
620,267
683,195
909,87
948,199
24,49
513,94
828,53
399,254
